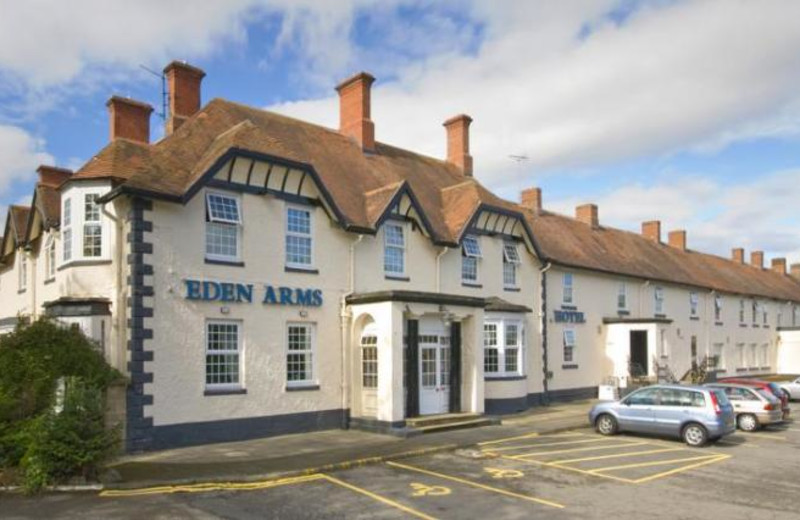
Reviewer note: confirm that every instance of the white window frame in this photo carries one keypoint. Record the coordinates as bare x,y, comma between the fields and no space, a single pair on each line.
717,307
212,220
402,248
719,351
764,354
22,281
764,314
741,354
568,289
66,230
622,297
369,378
511,259
50,257
310,236
471,254
694,304
239,352
502,324
569,341
753,354
658,300
311,352
741,310
95,223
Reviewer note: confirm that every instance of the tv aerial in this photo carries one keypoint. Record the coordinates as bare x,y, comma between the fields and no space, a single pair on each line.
164,96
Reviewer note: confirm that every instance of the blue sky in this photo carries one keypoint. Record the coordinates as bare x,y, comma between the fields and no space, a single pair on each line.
685,111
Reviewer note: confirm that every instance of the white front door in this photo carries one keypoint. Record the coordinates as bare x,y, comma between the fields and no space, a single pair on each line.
434,374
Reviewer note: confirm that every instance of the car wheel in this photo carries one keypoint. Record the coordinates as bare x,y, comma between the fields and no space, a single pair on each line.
606,424
747,422
694,435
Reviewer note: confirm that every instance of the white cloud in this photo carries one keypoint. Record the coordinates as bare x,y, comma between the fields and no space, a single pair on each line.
21,154
757,215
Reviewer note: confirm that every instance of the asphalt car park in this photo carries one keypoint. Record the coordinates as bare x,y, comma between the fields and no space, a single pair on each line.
571,474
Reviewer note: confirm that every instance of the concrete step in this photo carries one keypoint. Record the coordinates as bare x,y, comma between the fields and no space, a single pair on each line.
430,420
458,425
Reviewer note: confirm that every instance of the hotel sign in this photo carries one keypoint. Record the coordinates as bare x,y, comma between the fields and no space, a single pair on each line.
563,316
208,291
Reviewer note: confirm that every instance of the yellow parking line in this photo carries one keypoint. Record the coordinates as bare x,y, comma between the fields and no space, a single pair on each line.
718,458
652,463
532,435
766,436
212,486
543,445
575,450
477,485
377,497
569,468
617,455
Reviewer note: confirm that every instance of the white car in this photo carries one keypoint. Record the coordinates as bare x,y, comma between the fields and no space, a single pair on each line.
792,388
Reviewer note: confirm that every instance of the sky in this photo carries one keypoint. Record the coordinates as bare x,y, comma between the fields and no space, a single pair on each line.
682,111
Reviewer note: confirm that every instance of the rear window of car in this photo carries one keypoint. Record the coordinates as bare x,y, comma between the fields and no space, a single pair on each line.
766,394
722,399
776,390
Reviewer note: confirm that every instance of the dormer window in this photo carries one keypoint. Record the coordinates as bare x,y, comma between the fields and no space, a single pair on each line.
511,260
394,250
223,227
470,257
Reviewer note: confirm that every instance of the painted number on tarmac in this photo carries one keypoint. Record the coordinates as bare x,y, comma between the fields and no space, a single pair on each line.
504,473
422,490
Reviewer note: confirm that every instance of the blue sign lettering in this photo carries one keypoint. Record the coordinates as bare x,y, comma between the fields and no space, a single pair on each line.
209,291
569,317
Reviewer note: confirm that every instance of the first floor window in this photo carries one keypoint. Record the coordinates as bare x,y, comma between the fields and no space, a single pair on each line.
741,311
740,355
569,345
658,295
394,249
694,301
622,297
23,271
223,223
753,355
298,238
503,341
717,307
567,295
67,245
511,260
764,355
470,256
300,352
50,256
92,230
369,360
223,349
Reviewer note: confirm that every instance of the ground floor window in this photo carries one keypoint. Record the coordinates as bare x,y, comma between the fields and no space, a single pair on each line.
300,352
753,355
764,355
223,349
369,360
719,356
740,355
502,347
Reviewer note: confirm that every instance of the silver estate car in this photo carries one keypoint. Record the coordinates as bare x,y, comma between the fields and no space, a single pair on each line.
696,414
754,407
792,389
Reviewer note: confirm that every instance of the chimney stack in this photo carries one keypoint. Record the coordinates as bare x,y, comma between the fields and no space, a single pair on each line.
677,239
129,119
531,198
52,176
737,255
183,82
587,213
354,110
651,230
795,271
779,265
458,143
757,259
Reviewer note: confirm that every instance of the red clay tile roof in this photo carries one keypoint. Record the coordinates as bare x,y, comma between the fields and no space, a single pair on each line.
19,219
362,184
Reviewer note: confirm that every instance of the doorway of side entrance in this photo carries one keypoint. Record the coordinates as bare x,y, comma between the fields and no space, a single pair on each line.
638,358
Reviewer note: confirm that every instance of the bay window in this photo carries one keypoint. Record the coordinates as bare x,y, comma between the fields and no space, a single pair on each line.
503,344
92,229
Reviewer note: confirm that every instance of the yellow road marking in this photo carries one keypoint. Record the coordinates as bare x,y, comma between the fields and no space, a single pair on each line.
574,450
546,444
652,463
377,497
569,468
545,418
532,435
214,486
476,484
766,436
719,458
617,455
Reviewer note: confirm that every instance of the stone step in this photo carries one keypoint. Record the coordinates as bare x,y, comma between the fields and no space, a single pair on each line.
430,420
457,425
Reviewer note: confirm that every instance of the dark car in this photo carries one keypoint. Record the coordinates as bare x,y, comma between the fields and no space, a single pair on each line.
773,388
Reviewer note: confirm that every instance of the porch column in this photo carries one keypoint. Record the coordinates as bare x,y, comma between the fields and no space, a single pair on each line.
455,367
412,368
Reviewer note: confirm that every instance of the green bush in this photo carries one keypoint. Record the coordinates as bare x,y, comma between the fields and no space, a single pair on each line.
49,443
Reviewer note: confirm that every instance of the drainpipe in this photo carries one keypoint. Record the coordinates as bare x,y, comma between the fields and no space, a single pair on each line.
344,316
121,294
438,271
543,329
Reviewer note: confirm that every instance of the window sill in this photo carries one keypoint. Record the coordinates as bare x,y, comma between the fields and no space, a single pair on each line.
397,278
718,323
753,368
224,391
694,318
660,315
504,378
49,281
623,312
22,291
738,370
765,326
766,368
82,263
472,285
302,388
304,270
231,263
743,325
512,289
569,367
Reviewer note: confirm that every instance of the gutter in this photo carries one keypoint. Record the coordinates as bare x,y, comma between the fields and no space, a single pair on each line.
344,321
438,270
543,329
119,277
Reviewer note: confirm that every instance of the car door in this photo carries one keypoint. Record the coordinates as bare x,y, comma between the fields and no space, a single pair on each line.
636,412
674,406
